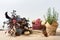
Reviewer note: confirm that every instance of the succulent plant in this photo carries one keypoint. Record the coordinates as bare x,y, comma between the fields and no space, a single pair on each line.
51,16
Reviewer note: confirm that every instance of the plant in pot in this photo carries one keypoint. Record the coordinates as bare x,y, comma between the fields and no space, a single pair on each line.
51,22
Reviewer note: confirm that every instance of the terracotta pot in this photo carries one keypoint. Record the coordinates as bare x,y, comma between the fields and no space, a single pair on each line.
51,29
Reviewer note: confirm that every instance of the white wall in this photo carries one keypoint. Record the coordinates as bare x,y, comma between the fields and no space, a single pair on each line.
29,8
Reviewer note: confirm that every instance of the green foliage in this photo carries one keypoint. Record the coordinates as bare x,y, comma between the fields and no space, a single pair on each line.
51,16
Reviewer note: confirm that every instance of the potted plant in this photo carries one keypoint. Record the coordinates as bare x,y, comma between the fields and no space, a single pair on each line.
51,22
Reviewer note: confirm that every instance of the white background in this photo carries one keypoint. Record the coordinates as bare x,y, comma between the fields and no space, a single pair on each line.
31,9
